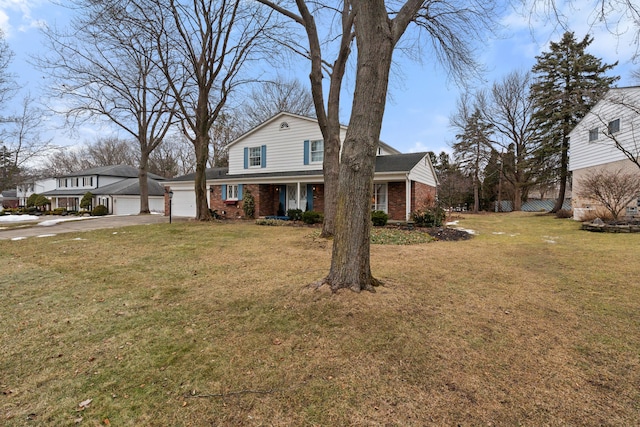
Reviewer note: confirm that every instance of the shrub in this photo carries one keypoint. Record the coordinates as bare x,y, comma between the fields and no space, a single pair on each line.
37,200
379,218
430,217
87,201
312,217
100,210
248,204
564,213
60,211
294,214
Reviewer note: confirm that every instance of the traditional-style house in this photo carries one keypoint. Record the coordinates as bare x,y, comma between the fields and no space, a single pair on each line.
599,141
280,163
116,187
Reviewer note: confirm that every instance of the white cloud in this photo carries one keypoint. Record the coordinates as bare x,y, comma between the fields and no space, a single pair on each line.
17,14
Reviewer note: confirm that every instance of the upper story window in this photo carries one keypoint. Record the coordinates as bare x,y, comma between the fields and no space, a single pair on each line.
317,151
593,134
255,157
87,181
284,126
313,151
614,126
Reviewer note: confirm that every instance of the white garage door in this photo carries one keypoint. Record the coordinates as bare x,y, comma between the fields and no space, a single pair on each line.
123,205
183,202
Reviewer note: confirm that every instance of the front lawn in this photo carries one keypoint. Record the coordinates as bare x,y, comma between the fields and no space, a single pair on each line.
530,322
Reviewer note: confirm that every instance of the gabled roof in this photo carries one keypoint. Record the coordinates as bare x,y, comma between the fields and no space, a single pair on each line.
398,162
121,171
126,187
129,187
282,114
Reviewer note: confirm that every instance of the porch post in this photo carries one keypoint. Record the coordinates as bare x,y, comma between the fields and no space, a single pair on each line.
408,199
298,196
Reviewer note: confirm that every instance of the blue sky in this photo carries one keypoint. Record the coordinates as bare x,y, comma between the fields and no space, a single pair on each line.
421,99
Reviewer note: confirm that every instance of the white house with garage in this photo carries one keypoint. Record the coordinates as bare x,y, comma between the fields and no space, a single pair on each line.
280,163
116,187
600,141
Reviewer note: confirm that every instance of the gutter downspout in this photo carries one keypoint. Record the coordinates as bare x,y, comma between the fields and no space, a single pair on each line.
408,198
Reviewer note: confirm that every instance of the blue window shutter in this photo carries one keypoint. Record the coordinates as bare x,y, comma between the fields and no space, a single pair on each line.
309,197
263,157
246,157
224,192
283,195
306,152
239,191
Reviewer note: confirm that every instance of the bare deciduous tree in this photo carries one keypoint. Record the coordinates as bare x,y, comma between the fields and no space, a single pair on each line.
615,190
202,47
510,112
22,141
105,67
272,97
102,152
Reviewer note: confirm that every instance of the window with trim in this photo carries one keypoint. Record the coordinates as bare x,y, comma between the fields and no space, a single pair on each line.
232,192
255,156
614,126
593,134
316,149
379,201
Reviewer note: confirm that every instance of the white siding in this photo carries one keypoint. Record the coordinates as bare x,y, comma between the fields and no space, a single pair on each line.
423,172
285,146
586,154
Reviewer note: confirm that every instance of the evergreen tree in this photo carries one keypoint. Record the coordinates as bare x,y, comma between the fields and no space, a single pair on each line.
472,151
568,83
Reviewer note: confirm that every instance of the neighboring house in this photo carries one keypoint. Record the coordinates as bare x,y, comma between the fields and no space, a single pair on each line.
40,186
614,118
116,187
280,163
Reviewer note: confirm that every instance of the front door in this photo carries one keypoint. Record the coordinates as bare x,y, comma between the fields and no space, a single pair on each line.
292,197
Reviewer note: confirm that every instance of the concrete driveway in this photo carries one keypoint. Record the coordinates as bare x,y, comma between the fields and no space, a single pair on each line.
47,225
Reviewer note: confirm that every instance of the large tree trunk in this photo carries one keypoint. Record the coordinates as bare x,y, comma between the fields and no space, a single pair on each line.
564,160
201,144
331,169
144,184
350,262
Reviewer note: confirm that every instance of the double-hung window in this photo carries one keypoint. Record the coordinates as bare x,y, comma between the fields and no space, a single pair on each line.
316,149
593,134
255,156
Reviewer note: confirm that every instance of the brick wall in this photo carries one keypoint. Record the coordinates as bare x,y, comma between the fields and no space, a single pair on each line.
422,195
397,202
318,197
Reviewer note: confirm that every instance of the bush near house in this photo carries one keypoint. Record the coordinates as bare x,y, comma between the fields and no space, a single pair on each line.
379,218
100,210
312,217
87,201
294,214
429,217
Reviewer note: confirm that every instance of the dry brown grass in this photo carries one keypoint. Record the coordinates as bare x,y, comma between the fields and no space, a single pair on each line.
210,324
